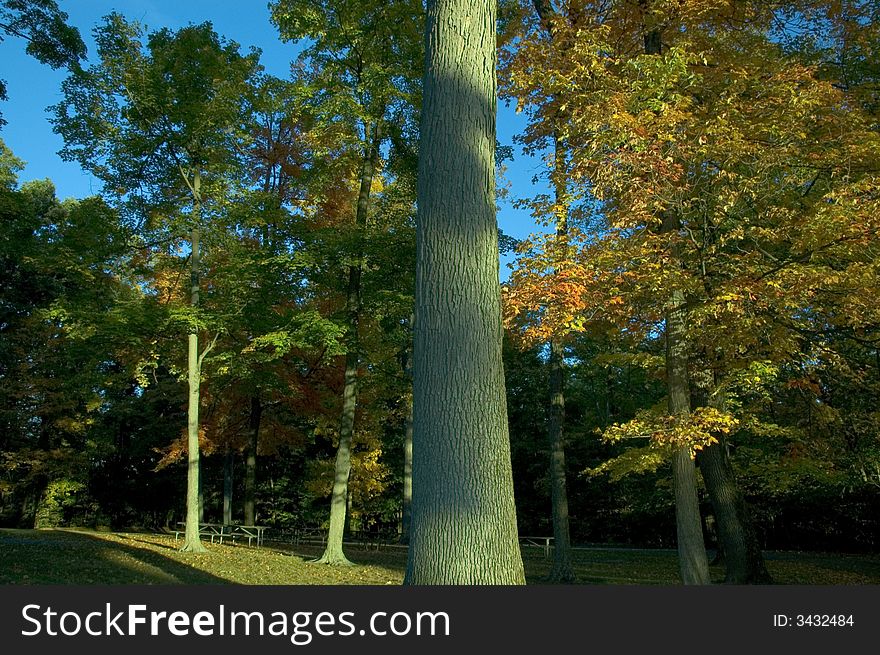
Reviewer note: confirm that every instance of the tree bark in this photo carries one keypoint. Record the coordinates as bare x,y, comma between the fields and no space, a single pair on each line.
743,558
250,472
333,554
463,514
192,542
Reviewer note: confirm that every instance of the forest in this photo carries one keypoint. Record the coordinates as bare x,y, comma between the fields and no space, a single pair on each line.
285,308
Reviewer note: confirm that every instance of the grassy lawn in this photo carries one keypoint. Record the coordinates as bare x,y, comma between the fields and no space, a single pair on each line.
83,557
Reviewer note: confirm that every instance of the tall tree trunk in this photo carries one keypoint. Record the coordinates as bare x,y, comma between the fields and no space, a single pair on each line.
562,571
333,554
743,559
692,559
463,514
228,471
192,543
250,472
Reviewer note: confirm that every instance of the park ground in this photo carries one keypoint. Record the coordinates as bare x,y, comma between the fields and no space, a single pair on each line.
87,557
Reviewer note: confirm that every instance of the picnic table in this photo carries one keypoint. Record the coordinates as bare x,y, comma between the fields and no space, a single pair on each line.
220,531
249,532
542,542
212,530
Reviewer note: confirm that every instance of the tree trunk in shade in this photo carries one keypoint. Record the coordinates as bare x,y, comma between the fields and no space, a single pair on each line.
562,571
406,520
743,559
464,527
228,470
250,471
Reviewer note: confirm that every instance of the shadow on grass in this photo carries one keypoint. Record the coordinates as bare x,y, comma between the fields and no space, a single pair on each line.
79,557
792,567
154,544
391,559
68,557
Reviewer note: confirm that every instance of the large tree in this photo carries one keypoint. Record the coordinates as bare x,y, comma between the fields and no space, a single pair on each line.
463,515
157,123
363,59
722,174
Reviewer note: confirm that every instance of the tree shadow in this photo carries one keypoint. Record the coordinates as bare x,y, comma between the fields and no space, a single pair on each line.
68,557
390,559
126,537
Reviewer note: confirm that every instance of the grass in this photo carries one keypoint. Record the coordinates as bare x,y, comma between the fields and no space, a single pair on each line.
84,557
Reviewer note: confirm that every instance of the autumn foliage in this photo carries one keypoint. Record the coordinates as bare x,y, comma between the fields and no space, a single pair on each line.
755,149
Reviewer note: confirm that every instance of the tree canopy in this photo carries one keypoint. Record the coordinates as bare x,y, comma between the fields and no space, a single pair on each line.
283,306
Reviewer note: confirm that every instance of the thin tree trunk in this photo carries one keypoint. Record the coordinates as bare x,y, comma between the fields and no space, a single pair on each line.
228,471
201,489
463,514
333,554
192,542
250,473
562,571
406,520
407,473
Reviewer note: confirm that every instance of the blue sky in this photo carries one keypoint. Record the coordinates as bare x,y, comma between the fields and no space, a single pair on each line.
32,87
